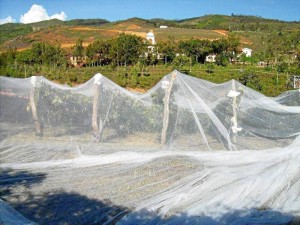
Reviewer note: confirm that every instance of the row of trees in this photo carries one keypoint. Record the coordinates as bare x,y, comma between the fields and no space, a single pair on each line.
129,49
278,49
41,53
124,50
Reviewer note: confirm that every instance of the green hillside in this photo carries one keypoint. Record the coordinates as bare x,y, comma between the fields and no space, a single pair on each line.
250,28
13,30
238,23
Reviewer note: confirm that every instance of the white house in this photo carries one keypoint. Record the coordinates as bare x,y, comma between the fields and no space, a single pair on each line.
211,58
247,52
163,27
151,48
151,38
78,61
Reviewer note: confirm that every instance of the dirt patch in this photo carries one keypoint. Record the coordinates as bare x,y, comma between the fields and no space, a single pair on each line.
139,90
222,32
69,45
225,33
128,26
22,49
84,28
134,27
113,32
140,34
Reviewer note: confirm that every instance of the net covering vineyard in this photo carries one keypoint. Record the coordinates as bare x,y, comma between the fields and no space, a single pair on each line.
188,151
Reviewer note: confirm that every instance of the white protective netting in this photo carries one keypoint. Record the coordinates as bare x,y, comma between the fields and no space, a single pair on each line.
186,152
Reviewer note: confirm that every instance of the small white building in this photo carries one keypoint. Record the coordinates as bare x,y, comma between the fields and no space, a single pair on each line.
152,49
78,61
211,58
163,27
151,38
247,52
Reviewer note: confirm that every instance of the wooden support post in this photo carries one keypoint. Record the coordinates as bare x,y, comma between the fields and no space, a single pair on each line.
102,123
97,84
234,118
37,123
235,129
95,109
167,86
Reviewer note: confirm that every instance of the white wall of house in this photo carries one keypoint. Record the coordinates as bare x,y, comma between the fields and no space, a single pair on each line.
210,58
247,52
151,38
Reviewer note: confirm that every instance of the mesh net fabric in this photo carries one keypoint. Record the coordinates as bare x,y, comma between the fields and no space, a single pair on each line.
187,150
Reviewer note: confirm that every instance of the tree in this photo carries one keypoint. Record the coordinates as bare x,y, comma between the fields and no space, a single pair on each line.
197,49
219,46
78,49
46,54
168,49
181,60
8,57
37,51
59,58
233,42
222,59
252,80
126,49
99,52
25,57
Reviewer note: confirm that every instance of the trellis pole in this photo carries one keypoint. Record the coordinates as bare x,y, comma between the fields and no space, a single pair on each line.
235,129
97,83
38,126
167,86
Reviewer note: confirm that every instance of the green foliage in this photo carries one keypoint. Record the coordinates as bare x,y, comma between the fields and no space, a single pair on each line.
86,22
219,46
181,60
158,22
237,23
168,49
222,60
126,49
252,80
26,57
282,67
8,57
198,49
63,108
210,68
78,49
43,53
10,30
233,42
124,114
214,22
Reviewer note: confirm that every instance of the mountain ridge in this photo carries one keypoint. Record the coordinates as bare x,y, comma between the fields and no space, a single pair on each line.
66,33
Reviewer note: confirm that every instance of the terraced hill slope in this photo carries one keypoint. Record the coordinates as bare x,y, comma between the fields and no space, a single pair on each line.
66,33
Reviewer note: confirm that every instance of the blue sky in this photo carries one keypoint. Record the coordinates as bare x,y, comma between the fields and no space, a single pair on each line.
113,10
